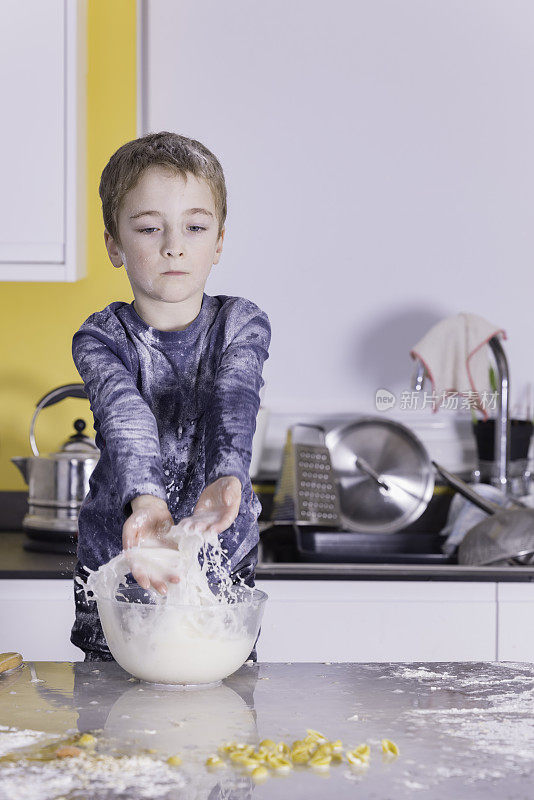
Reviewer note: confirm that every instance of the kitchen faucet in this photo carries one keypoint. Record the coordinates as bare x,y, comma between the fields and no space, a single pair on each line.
502,423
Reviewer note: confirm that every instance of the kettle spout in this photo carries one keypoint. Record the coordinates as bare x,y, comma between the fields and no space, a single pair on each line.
22,464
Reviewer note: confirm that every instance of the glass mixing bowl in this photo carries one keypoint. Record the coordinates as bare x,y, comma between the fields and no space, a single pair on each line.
165,643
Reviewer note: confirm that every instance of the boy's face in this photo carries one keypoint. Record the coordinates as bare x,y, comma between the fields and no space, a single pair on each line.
169,238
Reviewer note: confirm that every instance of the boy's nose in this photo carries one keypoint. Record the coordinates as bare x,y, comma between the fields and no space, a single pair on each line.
173,247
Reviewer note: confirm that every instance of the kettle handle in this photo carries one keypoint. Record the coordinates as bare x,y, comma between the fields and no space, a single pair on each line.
68,390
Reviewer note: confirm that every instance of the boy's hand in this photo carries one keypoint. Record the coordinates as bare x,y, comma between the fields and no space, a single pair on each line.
216,509
147,526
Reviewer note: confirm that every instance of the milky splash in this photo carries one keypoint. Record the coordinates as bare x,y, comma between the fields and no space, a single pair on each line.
200,631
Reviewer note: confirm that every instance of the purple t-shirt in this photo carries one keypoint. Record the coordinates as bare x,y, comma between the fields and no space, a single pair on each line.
173,412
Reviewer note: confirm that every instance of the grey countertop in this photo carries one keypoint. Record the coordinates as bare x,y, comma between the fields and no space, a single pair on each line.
463,730
16,562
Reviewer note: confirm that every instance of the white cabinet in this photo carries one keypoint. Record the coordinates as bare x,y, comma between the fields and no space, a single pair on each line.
42,140
516,613
358,621
362,621
36,617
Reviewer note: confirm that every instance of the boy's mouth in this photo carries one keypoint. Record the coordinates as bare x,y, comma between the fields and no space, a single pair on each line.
174,272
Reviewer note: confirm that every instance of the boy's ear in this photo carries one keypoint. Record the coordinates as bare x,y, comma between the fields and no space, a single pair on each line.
113,250
218,250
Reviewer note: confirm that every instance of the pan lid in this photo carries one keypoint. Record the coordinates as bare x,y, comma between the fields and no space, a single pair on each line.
385,476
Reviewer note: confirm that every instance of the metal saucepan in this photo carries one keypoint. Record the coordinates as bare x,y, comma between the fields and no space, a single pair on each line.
507,537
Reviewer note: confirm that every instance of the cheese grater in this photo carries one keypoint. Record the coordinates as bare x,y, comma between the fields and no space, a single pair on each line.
306,490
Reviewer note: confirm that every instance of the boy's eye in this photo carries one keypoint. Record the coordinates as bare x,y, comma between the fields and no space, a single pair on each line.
198,228
147,230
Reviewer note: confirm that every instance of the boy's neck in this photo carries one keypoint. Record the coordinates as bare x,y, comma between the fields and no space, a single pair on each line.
168,316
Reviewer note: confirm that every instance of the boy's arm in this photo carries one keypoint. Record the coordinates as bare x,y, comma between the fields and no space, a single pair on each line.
230,425
124,419
231,415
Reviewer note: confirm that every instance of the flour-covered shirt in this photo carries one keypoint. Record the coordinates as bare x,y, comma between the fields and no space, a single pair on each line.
173,412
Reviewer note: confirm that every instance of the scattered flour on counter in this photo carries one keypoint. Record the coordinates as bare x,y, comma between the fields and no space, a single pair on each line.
420,672
498,724
141,776
413,785
13,739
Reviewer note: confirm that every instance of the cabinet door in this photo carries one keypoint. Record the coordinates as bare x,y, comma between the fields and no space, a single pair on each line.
42,46
365,621
354,621
515,613
36,619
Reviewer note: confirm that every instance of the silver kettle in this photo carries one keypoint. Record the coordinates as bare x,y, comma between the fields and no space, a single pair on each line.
58,483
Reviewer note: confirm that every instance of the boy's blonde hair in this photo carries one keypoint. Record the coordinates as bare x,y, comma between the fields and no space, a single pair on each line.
178,153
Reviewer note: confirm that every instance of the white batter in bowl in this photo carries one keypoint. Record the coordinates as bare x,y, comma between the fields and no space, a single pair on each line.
160,642
193,635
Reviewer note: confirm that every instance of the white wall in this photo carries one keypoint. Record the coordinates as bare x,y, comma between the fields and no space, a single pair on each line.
380,170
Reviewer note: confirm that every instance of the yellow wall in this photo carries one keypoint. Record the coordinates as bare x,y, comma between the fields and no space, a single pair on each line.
38,319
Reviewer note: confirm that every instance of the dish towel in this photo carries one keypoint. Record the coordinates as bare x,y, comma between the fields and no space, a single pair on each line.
456,359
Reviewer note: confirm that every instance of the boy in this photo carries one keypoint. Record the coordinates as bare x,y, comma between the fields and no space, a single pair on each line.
173,378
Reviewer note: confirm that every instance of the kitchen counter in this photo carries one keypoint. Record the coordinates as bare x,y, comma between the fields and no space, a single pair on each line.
15,562
463,730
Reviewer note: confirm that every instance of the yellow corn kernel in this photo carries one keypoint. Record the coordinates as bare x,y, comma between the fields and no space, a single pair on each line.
272,760
214,762
337,746
284,766
237,758
359,756
283,769
242,752
323,750
315,736
86,740
283,749
337,758
174,761
227,747
300,755
243,748
248,763
267,744
260,774
356,761
389,748
278,762
321,763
